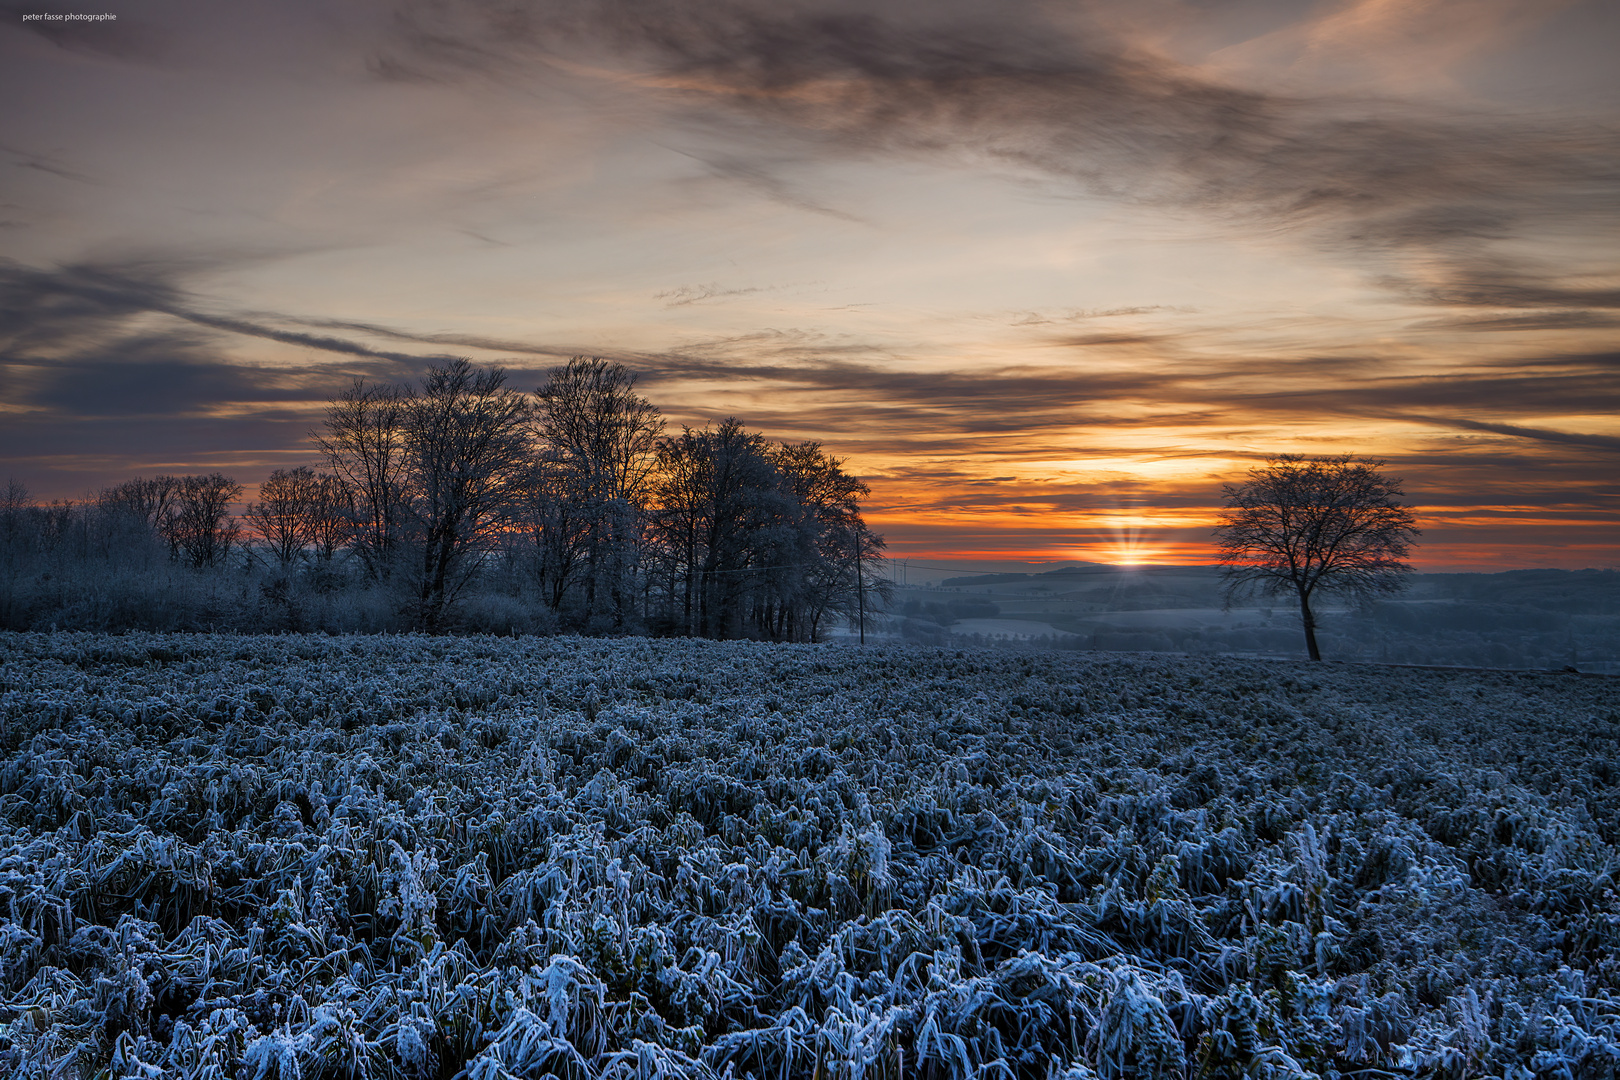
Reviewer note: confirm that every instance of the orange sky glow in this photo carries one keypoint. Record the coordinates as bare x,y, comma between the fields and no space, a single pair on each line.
1046,276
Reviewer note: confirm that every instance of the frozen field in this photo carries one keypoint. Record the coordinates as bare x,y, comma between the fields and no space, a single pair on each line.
401,857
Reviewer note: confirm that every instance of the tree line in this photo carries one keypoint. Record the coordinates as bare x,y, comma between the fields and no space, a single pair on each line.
460,503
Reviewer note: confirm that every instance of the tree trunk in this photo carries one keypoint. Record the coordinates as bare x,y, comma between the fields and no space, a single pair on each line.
1310,626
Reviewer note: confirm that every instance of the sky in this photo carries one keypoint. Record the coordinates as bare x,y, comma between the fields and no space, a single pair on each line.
1046,275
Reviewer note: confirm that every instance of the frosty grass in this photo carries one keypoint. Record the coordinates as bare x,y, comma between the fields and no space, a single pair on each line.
394,857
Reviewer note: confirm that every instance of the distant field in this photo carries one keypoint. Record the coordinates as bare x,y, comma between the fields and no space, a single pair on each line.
401,857
1521,619
1010,629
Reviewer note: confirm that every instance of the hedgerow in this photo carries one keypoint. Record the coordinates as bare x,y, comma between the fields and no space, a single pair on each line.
407,857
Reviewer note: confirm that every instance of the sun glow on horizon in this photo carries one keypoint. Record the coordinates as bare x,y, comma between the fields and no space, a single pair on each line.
1134,544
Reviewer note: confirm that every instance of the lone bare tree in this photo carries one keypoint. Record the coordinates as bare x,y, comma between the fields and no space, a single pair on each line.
1304,526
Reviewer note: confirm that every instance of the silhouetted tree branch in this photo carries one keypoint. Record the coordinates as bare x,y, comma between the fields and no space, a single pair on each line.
1308,526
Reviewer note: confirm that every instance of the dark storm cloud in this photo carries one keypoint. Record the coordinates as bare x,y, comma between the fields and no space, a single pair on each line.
1079,105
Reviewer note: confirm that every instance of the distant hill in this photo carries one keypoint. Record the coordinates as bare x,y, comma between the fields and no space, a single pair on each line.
1541,618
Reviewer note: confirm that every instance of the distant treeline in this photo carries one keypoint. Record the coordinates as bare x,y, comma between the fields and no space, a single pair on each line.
462,505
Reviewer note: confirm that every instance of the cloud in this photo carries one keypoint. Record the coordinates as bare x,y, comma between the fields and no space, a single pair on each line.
24,159
82,339
293,337
62,460
115,361
50,313
765,177
1490,286
465,341
682,295
1139,382
1039,318
1082,104
1576,319
1565,438
129,345
144,378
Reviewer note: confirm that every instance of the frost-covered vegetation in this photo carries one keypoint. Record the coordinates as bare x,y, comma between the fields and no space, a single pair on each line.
402,857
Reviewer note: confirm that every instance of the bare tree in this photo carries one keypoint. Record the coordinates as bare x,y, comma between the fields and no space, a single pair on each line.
677,517
750,538
466,448
198,522
837,554
148,502
1306,526
190,513
600,442
555,527
364,446
282,518
15,503
721,523
331,516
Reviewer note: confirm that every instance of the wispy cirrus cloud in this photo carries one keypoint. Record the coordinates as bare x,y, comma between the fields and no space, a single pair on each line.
52,310
1080,101
682,295
87,326
1519,431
